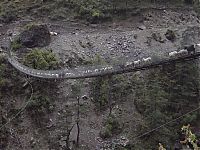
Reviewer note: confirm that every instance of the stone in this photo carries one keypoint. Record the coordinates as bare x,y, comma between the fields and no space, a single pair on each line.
157,37
142,27
84,97
170,35
35,36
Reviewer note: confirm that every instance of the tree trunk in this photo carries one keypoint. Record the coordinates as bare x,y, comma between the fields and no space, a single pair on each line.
77,123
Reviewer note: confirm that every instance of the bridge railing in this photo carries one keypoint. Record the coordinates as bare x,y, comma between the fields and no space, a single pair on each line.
95,71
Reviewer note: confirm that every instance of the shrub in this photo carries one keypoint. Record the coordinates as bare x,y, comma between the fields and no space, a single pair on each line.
108,90
40,104
112,127
41,59
15,45
30,25
166,94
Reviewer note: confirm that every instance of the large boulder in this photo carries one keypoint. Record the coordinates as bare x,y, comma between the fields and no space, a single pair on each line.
35,36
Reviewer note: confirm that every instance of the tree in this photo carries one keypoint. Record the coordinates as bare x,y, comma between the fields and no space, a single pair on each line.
167,93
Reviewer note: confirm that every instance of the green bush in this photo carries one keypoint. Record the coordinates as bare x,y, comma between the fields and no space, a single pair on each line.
108,89
41,59
165,94
15,45
39,104
112,127
29,26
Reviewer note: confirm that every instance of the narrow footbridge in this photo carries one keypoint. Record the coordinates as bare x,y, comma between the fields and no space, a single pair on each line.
95,71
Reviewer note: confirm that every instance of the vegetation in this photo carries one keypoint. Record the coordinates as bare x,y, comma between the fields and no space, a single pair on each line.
188,140
91,10
111,128
39,104
160,95
9,78
41,59
38,107
165,94
15,45
3,80
7,16
108,90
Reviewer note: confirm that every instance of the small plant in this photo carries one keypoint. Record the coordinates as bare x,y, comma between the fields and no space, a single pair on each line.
29,26
112,127
96,13
15,45
39,104
190,138
161,147
4,81
41,59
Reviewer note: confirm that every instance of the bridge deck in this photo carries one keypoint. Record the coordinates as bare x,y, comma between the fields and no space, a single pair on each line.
94,71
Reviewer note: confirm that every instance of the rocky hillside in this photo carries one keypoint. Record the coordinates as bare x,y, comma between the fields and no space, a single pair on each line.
90,10
110,112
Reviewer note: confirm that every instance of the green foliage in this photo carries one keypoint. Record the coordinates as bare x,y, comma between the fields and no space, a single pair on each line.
113,89
15,45
165,94
112,127
29,26
108,89
161,147
39,104
41,59
92,10
100,92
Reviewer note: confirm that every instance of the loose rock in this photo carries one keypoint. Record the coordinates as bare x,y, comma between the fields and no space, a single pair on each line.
170,35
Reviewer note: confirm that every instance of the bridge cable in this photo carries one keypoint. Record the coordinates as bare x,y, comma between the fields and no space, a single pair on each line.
154,129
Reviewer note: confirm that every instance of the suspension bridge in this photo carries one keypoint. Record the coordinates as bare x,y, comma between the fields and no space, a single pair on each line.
97,70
